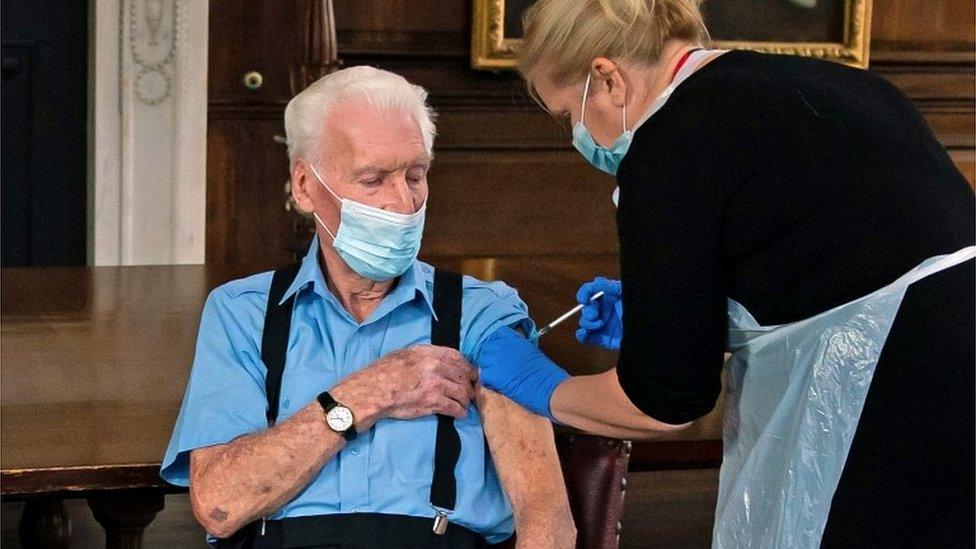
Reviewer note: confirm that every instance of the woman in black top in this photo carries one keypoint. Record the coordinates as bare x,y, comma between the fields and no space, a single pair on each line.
793,193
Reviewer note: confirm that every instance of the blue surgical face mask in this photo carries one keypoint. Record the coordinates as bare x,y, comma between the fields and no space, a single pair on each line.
377,244
603,158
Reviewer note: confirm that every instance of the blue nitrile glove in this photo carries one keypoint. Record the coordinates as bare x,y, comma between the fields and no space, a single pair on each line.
511,365
601,322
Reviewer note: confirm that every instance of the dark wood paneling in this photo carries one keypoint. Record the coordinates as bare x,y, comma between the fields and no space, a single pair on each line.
247,172
431,27
954,125
931,25
251,36
504,163
518,203
525,129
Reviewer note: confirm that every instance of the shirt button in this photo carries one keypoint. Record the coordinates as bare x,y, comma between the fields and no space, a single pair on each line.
354,451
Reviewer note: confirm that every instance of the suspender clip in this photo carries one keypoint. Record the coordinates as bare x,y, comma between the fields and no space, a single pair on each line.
441,521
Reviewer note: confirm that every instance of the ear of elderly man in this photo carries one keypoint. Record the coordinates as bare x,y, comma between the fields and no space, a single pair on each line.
351,456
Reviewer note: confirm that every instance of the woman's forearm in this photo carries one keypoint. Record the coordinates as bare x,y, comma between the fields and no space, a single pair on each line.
597,404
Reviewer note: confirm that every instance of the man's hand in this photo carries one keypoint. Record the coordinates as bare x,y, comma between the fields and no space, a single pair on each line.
409,383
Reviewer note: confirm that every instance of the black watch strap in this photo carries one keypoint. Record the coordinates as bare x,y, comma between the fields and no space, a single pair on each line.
328,402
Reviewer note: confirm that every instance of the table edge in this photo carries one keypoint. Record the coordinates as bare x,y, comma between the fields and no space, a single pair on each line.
81,478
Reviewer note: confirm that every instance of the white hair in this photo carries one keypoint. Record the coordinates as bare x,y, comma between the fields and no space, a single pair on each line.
378,88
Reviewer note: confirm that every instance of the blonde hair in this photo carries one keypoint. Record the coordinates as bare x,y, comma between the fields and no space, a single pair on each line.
566,35
378,88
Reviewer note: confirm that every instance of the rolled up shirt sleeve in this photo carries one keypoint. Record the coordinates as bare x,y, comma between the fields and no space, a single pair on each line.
225,396
489,306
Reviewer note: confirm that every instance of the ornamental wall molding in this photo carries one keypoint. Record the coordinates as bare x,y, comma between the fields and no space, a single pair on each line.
155,34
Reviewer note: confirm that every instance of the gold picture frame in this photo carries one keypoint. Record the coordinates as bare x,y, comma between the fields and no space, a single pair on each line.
492,50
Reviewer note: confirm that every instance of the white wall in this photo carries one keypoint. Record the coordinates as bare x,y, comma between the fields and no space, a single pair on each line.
147,131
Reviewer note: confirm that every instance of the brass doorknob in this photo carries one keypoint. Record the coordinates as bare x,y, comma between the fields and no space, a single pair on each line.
253,80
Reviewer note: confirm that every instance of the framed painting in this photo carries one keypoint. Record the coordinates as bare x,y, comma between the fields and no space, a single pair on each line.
838,30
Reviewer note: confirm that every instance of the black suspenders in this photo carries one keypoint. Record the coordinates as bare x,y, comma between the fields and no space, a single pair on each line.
274,340
445,330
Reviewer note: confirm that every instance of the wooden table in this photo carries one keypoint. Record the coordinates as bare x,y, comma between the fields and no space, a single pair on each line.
94,365
95,361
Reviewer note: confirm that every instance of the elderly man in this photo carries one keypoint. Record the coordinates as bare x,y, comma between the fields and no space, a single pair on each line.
352,458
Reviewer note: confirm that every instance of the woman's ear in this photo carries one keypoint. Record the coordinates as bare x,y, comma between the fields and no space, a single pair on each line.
301,178
606,74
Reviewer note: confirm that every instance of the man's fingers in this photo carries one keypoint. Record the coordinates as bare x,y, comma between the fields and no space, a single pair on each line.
449,371
466,372
457,368
458,392
450,407
471,372
455,359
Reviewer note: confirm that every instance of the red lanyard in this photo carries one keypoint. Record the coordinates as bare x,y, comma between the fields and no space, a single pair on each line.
681,63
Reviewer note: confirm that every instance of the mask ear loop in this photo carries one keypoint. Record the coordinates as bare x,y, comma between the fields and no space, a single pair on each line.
314,213
324,226
322,181
586,91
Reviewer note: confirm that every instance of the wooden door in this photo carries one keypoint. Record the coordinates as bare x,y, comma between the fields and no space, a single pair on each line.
251,47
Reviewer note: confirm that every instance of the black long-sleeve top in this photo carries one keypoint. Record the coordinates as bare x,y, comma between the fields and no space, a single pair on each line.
791,185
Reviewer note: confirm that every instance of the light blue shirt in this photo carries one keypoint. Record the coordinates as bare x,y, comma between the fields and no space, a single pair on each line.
387,469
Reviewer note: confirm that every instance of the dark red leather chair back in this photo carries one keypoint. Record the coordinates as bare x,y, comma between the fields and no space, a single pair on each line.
595,469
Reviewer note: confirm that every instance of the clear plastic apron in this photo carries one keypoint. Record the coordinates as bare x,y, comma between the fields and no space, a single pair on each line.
794,397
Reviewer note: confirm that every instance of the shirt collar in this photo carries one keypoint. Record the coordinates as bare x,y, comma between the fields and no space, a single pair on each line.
310,273
416,278
411,283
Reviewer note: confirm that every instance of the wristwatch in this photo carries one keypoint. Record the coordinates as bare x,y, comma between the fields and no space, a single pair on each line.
338,417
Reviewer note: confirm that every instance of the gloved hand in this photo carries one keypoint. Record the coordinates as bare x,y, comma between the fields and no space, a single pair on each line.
601,322
513,366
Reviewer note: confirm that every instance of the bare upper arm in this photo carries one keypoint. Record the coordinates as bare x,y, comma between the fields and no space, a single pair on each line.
522,447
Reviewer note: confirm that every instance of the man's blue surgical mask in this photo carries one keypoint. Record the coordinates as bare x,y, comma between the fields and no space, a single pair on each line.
377,244
603,158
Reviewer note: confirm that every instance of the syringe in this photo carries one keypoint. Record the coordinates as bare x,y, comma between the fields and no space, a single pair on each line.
545,329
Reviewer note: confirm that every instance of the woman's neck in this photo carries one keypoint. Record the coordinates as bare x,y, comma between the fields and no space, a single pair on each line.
651,80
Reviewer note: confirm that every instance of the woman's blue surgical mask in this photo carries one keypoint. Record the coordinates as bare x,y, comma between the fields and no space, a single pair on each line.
603,158
377,244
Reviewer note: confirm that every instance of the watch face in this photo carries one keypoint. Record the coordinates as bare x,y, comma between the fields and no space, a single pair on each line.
339,418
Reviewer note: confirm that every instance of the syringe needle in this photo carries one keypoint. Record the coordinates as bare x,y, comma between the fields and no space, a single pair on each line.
566,315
